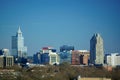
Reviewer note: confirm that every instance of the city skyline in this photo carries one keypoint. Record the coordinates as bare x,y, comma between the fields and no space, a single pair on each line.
56,23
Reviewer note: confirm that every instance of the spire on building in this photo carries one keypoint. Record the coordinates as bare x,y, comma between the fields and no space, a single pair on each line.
19,30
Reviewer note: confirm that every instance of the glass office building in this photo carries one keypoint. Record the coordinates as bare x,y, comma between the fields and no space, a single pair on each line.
65,56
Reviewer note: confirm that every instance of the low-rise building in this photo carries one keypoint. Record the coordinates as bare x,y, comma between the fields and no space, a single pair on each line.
6,61
113,59
54,58
80,57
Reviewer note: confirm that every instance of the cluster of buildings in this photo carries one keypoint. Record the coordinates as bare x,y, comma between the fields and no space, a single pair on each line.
5,59
68,54
18,54
49,55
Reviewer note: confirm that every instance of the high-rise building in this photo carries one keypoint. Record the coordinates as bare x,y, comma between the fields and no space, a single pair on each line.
96,50
18,48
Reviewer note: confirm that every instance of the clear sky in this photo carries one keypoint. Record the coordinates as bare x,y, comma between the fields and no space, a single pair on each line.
58,22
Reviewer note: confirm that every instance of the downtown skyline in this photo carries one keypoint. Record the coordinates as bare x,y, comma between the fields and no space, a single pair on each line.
56,23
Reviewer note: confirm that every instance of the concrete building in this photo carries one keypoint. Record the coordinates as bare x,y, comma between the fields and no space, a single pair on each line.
18,48
1,61
6,61
76,58
80,57
96,50
9,61
113,59
54,58
84,58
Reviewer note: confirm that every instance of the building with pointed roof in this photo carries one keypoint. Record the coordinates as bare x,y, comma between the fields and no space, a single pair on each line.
96,50
18,48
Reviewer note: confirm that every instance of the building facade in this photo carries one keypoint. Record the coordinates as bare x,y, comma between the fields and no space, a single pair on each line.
65,56
6,61
76,58
1,61
18,48
37,58
113,59
96,50
54,58
80,57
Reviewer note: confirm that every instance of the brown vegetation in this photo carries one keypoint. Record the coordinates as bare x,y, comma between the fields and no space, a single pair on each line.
62,72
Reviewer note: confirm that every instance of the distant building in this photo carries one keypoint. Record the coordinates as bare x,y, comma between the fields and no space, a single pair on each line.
65,56
80,57
1,52
47,55
75,58
96,50
9,61
4,52
2,61
84,58
18,48
54,58
66,48
6,61
45,58
37,58
113,59
48,49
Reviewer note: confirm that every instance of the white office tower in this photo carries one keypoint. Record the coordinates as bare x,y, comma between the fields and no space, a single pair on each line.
113,59
96,50
18,48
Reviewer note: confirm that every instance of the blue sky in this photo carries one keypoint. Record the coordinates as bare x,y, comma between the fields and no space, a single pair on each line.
58,22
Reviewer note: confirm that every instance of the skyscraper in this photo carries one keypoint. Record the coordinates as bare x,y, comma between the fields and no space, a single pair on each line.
18,48
96,50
